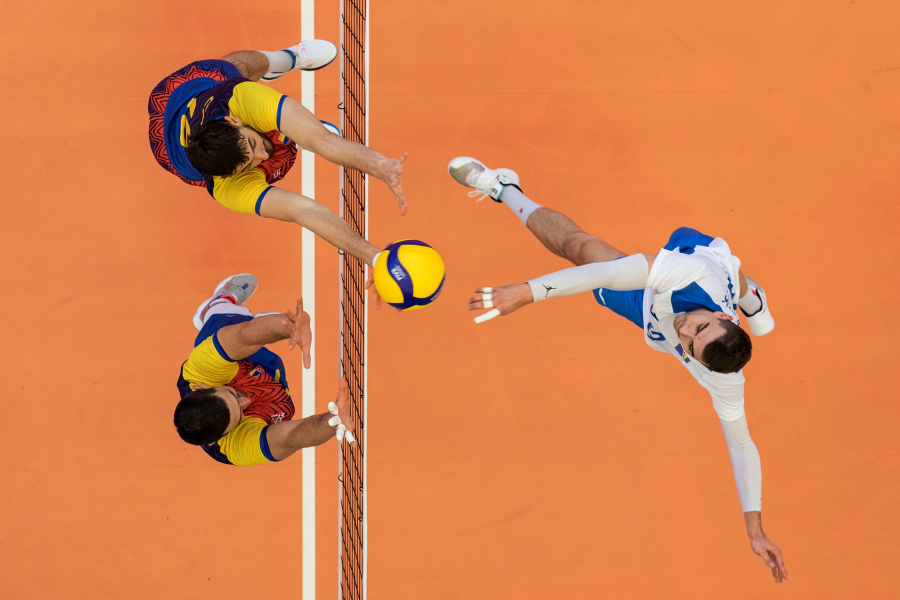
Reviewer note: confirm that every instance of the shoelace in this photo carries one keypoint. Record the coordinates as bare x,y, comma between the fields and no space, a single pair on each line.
238,291
472,178
304,57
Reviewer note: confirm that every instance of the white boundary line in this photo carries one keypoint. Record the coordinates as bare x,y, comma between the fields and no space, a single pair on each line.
308,289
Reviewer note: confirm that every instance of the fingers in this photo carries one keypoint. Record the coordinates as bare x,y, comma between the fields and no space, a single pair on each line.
397,189
306,346
779,563
341,431
299,305
483,299
771,556
487,316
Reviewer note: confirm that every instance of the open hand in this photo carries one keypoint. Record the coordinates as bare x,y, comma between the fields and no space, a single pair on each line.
771,555
340,408
390,172
298,331
502,300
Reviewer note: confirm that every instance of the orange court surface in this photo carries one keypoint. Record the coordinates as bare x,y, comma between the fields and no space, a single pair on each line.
547,454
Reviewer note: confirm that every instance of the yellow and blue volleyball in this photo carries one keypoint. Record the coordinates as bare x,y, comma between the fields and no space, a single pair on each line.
409,274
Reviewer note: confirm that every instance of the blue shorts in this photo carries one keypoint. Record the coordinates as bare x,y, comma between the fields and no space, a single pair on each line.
630,304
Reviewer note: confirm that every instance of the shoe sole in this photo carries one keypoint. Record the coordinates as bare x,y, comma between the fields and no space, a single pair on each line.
198,322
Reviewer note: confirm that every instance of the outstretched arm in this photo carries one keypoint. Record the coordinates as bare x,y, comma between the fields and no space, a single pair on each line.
628,273
302,126
287,437
289,206
243,339
748,478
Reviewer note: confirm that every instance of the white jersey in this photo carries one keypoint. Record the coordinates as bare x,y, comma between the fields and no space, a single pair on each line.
707,277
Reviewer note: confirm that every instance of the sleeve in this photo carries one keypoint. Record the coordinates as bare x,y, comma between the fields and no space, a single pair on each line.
246,444
257,106
674,271
626,273
744,462
209,364
242,192
727,392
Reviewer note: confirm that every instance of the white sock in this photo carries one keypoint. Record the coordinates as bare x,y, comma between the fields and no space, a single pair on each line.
750,302
518,202
280,62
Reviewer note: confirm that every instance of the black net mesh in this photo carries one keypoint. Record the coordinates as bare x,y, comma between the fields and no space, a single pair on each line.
353,298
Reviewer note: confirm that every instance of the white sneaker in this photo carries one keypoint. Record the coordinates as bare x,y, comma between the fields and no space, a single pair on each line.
309,55
472,173
240,287
760,322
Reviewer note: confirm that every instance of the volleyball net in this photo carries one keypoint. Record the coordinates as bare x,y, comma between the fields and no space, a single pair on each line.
353,313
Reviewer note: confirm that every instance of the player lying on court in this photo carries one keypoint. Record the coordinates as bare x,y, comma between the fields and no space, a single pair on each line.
685,298
235,401
213,125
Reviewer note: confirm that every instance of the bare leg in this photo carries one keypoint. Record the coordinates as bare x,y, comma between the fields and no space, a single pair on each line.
250,63
564,238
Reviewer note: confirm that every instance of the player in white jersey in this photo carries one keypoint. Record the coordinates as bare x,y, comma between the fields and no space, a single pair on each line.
685,298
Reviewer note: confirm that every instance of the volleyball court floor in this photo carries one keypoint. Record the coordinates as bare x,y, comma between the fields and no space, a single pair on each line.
543,455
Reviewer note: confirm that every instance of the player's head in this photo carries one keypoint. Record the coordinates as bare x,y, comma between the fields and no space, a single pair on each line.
714,340
226,147
205,415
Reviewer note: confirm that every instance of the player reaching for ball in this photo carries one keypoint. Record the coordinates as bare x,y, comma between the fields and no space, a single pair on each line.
685,298
213,125
235,401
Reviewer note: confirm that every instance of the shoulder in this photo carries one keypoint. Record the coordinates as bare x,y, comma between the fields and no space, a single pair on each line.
673,270
242,192
208,365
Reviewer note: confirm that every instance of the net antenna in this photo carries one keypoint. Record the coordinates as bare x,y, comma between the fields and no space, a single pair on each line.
353,310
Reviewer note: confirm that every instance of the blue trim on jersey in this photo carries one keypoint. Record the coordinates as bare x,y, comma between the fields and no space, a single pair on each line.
692,297
219,348
260,199
278,116
628,304
176,106
214,451
686,239
264,444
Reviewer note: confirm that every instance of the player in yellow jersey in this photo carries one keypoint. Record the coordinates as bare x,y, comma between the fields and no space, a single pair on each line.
213,125
235,402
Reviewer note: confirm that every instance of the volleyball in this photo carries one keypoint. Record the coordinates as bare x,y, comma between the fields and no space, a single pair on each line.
409,274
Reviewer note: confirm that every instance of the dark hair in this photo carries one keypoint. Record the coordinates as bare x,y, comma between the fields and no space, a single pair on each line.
216,148
730,352
202,417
